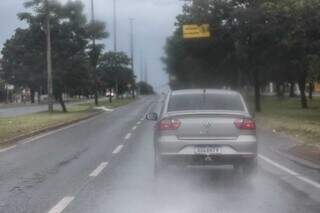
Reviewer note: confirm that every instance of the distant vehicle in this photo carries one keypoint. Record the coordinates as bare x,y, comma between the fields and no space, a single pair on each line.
205,127
108,94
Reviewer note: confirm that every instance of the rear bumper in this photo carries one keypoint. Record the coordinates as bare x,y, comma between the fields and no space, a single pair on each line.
242,149
207,160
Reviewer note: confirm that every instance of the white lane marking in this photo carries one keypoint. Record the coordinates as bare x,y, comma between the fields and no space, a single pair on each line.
128,136
61,205
104,109
57,130
99,169
134,127
8,148
139,122
291,172
118,149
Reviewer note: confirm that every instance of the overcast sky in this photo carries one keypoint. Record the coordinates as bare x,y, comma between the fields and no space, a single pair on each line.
154,22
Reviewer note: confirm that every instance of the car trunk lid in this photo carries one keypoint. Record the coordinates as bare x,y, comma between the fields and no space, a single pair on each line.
207,126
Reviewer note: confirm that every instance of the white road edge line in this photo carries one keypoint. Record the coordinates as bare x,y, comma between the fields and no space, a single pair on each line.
139,122
99,169
104,109
7,149
56,131
134,127
128,136
291,172
61,205
118,149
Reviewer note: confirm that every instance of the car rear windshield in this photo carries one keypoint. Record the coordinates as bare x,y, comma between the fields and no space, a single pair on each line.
205,102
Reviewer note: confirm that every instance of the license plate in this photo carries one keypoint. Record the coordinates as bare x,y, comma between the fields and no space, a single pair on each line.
207,150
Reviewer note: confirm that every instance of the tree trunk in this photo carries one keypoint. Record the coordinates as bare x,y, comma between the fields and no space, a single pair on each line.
133,93
311,88
39,95
110,96
257,95
283,89
96,101
32,96
279,89
302,88
63,105
292,94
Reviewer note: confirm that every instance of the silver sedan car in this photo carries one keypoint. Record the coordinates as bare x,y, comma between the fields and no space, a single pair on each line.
205,127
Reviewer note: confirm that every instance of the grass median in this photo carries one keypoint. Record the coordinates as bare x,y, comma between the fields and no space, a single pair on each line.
285,115
114,104
12,127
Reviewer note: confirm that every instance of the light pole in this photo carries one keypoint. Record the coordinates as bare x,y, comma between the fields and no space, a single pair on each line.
131,43
115,40
132,50
114,25
49,58
96,101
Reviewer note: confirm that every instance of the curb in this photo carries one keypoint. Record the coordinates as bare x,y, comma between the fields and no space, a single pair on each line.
299,161
18,138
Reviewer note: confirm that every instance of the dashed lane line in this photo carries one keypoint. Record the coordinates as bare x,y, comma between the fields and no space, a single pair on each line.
118,149
128,136
61,205
99,169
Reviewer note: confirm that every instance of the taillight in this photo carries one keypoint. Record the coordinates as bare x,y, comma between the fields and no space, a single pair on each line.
246,124
169,124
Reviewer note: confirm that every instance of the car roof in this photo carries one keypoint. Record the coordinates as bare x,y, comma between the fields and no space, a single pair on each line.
201,91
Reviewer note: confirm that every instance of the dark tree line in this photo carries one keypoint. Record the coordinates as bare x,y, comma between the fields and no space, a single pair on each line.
145,88
253,42
74,56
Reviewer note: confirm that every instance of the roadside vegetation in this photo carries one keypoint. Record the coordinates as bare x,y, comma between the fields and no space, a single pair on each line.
12,127
252,43
106,103
81,65
285,115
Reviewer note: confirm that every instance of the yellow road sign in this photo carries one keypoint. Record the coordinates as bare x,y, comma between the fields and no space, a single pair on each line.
196,31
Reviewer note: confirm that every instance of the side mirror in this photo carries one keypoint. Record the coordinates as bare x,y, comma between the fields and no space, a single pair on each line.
152,116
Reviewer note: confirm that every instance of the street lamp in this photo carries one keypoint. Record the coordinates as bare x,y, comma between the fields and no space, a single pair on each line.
49,58
96,101
132,50
115,25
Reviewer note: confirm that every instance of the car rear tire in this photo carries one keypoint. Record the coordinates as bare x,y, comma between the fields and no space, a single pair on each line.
250,167
159,165
247,168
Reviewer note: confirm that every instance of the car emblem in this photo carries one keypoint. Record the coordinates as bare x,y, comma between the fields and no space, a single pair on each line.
207,125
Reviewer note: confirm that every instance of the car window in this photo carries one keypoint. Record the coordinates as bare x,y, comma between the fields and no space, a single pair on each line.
205,102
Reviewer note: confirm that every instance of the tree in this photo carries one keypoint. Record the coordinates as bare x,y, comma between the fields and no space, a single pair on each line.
71,64
253,42
145,88
24,59
96,31
114,70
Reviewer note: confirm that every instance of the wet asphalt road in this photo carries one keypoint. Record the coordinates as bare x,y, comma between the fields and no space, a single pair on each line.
105,164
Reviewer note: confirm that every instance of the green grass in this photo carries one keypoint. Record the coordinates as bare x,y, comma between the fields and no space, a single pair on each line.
20,125
285,115
14,126
115,103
